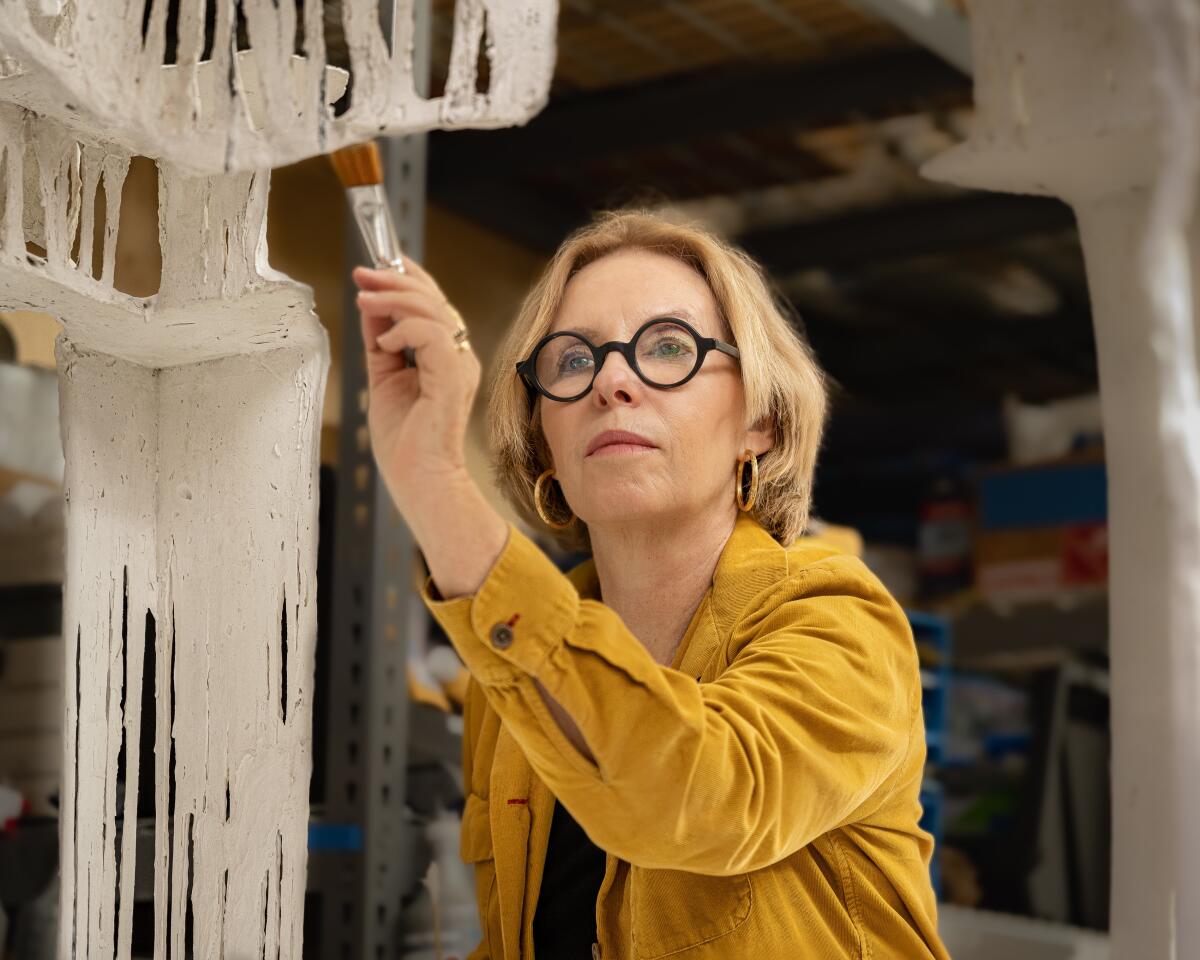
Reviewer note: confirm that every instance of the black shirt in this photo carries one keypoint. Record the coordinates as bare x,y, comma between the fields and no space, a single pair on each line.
564,923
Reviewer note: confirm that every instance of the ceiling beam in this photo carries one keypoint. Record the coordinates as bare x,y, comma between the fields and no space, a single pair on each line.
905,230
513,210
685,108
846,241
931,23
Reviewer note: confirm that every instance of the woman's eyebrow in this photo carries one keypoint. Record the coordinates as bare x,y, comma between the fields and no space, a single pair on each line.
590,332
675,313
596,336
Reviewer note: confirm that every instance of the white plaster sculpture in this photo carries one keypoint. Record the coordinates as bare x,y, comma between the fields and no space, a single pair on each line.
87,64
190,420
1098,102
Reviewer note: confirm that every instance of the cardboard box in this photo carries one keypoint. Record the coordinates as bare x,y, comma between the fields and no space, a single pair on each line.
1042,530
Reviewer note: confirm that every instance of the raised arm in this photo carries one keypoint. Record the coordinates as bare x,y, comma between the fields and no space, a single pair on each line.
819,704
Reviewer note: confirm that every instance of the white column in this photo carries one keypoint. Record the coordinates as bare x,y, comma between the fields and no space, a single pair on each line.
191,511
1094,101
190,424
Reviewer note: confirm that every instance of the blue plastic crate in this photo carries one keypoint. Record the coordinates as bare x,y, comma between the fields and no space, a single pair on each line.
933,638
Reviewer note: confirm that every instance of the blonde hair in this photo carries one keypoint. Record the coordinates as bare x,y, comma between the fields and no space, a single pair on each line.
781,379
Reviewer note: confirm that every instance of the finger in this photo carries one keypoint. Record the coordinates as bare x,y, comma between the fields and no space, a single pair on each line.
428,338
389,279
417,270
419,273
443,368
414,304
380,363
384,279
399,304
374,324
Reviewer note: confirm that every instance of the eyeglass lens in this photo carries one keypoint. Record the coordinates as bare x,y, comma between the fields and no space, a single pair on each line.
666,354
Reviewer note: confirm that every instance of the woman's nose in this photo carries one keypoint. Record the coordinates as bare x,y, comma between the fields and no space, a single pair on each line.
615,381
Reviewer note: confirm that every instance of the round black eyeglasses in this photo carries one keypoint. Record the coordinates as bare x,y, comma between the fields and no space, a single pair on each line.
665,352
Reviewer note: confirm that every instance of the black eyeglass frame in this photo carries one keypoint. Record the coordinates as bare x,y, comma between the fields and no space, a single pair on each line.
527,368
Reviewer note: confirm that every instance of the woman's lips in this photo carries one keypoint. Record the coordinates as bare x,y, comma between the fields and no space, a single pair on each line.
617,441
620,448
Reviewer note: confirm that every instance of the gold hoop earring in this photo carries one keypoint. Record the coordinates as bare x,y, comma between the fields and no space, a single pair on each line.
541,508
745,502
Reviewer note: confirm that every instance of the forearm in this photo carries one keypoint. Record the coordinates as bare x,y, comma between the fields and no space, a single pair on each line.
459,532
461,536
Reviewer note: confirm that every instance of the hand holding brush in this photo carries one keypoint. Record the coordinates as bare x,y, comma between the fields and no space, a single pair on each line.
360,170
422,375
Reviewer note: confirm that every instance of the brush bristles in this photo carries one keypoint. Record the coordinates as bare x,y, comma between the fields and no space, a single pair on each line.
358,166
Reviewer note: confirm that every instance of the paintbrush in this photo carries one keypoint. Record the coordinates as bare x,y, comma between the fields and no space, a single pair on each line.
360,169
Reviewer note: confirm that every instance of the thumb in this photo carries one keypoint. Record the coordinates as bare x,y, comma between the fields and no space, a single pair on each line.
378,361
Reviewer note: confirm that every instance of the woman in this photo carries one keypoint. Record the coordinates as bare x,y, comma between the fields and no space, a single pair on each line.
707,740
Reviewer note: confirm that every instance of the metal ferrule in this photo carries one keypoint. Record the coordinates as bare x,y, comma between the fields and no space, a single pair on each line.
374,220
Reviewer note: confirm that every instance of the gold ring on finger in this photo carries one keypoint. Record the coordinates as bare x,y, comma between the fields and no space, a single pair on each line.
461,334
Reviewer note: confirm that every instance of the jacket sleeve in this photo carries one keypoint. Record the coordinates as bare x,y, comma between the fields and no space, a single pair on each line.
818,706
474,842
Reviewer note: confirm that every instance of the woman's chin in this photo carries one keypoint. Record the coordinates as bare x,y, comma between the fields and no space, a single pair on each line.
625,511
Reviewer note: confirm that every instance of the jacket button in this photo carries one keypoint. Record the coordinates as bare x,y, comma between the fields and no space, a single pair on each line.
595,951
502,636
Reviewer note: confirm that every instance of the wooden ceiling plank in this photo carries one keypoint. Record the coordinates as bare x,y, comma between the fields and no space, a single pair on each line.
704,25
795,25
684,109
624,29
942,30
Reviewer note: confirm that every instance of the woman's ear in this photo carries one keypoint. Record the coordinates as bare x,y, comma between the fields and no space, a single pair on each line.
761,437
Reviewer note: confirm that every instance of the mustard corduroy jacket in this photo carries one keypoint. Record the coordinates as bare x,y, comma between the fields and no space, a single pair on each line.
756,799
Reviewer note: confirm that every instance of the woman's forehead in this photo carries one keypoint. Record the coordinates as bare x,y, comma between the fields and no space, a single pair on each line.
616,294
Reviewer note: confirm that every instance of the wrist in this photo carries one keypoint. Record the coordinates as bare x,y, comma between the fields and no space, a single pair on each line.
419,492
460,534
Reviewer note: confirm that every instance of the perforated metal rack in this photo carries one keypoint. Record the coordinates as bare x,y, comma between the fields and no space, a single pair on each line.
359,867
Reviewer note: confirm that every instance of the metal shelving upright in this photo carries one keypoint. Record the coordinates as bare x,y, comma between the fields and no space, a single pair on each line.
359,867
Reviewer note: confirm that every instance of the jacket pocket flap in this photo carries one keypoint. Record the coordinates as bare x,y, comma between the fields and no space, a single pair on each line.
475,842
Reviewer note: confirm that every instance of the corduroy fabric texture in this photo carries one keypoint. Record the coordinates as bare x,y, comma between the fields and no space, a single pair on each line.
756,799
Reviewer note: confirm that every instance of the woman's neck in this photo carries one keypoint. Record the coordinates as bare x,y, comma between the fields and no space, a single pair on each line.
655,576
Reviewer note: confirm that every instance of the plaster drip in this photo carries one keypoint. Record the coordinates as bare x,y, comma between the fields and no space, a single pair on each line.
12,146
114,168
90,164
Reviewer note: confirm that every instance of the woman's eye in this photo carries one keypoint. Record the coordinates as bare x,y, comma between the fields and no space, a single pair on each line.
574,361
670,348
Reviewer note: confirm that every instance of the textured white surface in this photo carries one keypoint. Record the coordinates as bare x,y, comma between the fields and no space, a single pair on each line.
1096,101
89,67
190,422
190,425
191,501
